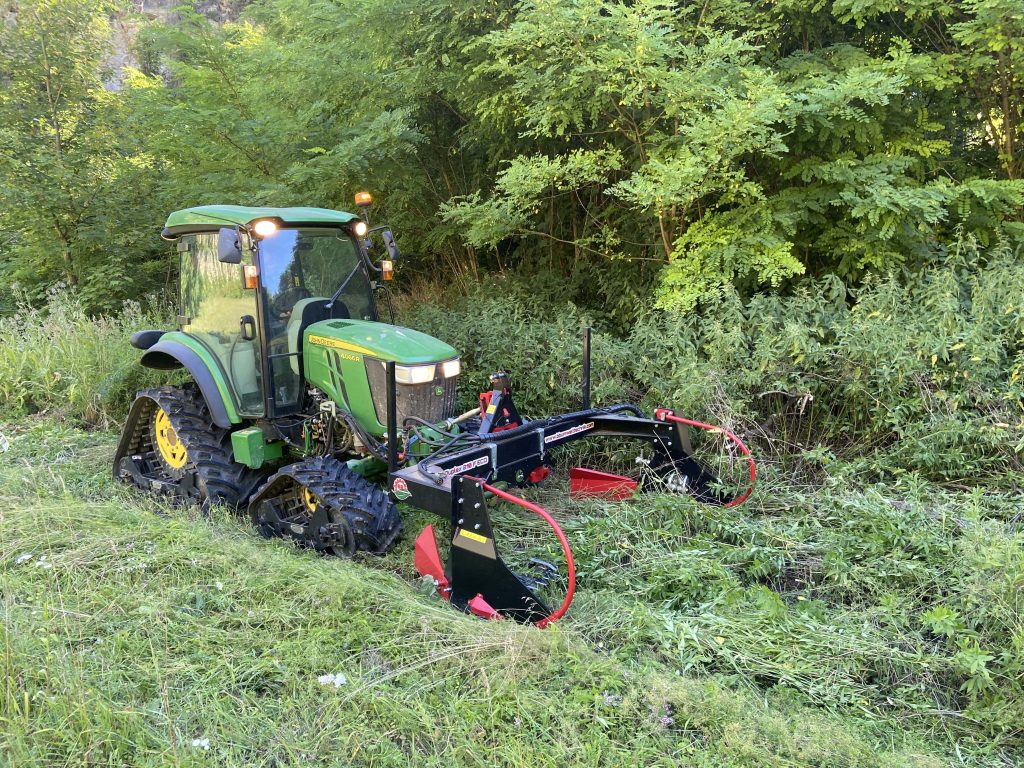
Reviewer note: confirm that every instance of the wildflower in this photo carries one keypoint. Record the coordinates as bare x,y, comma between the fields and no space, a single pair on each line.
23,558
219,585
201,743
612,699
337,680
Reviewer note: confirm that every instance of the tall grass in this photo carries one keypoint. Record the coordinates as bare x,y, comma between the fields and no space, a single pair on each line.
132,639
56,359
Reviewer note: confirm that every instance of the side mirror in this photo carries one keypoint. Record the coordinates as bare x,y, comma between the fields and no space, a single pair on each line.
229,249
390,244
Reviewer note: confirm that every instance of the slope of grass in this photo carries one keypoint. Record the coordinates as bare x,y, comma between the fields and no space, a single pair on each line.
138,634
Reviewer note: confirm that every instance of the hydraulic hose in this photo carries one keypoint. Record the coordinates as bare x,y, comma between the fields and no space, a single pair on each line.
662,413
570,563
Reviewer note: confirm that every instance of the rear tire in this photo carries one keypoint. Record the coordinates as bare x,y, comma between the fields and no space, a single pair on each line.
177,449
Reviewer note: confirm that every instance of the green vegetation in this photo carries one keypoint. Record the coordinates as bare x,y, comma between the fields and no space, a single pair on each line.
138,635
638,153
800,220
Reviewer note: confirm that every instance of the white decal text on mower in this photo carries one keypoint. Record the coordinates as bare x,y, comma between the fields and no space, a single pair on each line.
569,432
479,461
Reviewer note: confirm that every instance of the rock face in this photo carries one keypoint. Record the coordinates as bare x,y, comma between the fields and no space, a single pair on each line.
217,11
125,28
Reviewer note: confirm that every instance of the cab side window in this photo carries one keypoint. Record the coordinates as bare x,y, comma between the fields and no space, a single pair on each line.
213,302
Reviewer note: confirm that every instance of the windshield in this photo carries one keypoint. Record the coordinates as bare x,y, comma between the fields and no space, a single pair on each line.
300,270
298,264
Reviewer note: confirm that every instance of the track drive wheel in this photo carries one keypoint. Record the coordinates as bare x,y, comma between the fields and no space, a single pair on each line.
324,505
171,445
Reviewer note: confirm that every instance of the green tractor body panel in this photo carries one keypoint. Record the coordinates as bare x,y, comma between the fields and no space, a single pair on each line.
346,359
212,380
216,216
251,448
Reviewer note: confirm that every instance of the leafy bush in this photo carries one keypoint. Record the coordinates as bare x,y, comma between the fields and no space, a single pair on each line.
924,369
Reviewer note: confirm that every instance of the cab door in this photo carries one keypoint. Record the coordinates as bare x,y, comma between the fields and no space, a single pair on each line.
219,311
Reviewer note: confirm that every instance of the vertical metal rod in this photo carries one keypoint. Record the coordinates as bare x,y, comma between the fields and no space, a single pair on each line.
586,368
392,417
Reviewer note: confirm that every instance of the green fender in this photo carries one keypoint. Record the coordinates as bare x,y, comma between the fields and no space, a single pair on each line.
179,350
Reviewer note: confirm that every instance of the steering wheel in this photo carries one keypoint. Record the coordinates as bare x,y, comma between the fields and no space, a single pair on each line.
281,306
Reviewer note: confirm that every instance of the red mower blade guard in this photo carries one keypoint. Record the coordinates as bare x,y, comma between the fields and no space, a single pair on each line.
591,484
428,560
480,607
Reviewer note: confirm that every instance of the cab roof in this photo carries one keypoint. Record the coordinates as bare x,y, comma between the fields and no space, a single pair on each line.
204,218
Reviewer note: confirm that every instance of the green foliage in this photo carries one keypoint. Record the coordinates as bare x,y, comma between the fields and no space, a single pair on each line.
641,153
919,374
747,152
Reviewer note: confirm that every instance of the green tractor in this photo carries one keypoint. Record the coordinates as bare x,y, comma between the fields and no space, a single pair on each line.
280,335
305,407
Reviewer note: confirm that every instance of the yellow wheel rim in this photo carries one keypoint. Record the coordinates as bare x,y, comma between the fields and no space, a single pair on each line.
310,499
170,447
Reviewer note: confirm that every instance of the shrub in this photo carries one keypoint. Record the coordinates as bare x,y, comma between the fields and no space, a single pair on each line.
925,369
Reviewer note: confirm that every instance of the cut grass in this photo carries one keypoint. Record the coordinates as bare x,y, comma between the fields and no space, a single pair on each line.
133,632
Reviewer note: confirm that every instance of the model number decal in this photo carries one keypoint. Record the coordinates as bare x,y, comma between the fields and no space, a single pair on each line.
479,461
325,341
569,432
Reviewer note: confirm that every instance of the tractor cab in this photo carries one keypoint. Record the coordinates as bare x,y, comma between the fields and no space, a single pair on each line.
252,280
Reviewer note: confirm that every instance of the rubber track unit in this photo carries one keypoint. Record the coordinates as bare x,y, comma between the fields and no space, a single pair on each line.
210,474
352,514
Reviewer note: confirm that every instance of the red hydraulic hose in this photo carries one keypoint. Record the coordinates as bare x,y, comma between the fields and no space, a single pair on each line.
664,413
561,538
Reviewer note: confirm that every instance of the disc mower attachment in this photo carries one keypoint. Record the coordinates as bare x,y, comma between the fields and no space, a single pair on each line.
476,579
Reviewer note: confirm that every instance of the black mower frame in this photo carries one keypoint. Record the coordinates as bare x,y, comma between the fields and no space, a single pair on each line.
450,484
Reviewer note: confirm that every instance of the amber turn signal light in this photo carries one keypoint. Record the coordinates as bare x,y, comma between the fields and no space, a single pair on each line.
363,199
250,274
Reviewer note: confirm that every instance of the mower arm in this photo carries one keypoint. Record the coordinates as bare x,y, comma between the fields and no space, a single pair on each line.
453,486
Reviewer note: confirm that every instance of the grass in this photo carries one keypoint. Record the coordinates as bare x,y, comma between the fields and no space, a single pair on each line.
134,632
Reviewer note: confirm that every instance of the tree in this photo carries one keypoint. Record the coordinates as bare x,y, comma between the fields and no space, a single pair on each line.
75,180
740,144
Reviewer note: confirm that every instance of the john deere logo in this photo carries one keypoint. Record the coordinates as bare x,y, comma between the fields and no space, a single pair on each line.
401,489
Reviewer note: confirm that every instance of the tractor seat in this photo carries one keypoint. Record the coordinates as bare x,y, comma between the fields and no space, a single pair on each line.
304,314
145,339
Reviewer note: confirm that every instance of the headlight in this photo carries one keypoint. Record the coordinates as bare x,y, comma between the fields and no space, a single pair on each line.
451,368
414,374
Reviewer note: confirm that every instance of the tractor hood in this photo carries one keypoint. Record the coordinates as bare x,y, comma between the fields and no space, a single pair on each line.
378,340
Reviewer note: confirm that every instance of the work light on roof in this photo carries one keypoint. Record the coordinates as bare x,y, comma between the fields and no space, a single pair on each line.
264,227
